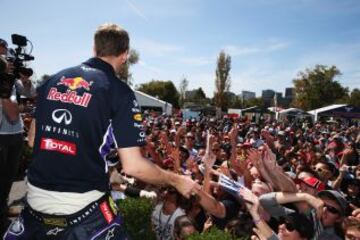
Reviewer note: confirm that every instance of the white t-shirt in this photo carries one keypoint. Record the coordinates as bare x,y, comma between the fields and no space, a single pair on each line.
164,224
59,203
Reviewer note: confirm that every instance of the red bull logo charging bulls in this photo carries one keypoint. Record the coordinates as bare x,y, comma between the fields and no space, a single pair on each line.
75,83
71,96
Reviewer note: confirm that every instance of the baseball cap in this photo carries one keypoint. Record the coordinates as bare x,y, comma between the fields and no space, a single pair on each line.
337,197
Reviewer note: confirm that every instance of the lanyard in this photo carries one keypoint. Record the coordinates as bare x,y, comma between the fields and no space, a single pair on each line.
162,229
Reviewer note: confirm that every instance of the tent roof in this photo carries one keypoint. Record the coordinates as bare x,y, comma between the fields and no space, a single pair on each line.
151,97
339,110
291,110
254,109
327,108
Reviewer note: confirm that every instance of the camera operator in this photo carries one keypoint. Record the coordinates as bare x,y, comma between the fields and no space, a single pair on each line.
3,47
11,129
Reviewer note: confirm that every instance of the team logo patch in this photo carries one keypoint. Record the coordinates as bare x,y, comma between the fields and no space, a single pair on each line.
113,205
62,116
61,222
70,97
17,227
50,144
55,231
75,83
137,117
106,211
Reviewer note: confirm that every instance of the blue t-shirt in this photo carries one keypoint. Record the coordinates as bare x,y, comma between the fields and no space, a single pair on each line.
80,113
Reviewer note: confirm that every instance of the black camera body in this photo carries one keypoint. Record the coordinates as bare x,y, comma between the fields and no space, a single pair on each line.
19,53
17,57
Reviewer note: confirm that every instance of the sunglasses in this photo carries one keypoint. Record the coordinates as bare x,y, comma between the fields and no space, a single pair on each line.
319,170
288,224
332,210
215,150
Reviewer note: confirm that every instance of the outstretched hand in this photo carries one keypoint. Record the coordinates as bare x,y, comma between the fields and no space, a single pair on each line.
251,200
186,186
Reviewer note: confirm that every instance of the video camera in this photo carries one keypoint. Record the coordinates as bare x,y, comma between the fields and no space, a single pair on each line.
20,55
17,57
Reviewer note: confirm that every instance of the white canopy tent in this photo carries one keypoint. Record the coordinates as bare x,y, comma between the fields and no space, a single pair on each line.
337,110
295,113
149,102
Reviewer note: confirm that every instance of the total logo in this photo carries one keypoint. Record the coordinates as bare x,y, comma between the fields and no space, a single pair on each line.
50,144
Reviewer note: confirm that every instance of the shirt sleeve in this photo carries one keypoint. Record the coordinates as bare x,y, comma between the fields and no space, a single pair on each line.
269,203
127,123
273,237
27,92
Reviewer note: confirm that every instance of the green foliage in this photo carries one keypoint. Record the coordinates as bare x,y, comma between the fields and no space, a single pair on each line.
182,89
237,103
164,90
317,88
214,234
199,94
196,97
354,98
137,218
222,80
254,102
124,73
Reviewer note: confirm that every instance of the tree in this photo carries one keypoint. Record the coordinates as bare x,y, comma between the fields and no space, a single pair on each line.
124,73
164,90
184,83
199,94
222,80
254,102
354,98
317,87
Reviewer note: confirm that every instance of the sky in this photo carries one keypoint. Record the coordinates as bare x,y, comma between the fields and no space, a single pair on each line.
269,41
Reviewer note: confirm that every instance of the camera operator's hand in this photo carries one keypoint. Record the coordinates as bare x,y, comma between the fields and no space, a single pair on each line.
6,85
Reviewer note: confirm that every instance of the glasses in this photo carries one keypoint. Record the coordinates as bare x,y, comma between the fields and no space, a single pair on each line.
215,150
288,224
332,209
319,170
192,138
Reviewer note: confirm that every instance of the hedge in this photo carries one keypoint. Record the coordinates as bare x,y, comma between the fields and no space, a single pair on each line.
137,220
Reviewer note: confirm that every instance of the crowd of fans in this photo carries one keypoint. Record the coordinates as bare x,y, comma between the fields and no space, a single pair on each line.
298,180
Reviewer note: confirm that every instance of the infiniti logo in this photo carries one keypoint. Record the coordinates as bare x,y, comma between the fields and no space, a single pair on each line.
62,115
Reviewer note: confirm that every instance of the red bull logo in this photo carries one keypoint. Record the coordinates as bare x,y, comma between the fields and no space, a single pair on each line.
69,97
75,83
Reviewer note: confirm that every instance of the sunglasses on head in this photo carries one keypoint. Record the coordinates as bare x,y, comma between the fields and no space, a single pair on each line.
288,224
332,209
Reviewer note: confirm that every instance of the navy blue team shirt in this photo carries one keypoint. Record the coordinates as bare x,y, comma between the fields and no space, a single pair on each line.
82,111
